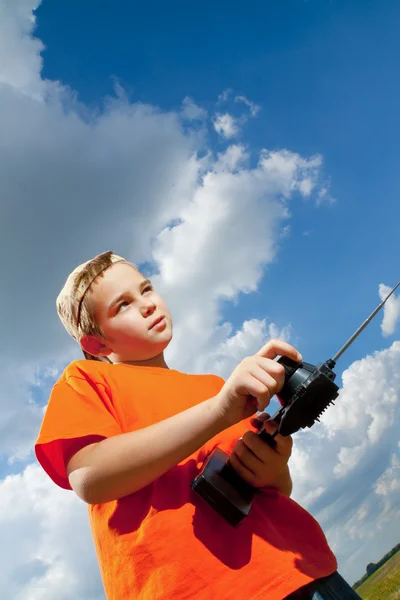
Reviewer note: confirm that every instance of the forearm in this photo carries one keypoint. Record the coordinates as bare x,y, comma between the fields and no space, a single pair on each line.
124,464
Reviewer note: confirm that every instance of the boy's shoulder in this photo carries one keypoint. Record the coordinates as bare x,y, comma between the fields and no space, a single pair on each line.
100,372
84,369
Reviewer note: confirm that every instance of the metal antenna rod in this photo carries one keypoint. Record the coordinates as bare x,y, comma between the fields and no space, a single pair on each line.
359,330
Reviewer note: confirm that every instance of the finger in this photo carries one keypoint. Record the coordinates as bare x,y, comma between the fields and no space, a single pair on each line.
257,447
284,443
274,348
241,464
257,390
271,427
242,470
274,369
258,420
246,455
272,382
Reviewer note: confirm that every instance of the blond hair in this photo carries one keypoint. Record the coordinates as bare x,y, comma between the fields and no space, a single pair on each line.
74,305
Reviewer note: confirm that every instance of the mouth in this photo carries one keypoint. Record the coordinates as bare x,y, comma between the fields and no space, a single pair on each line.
156,322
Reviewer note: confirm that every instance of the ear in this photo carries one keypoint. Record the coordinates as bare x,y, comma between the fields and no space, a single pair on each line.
94,345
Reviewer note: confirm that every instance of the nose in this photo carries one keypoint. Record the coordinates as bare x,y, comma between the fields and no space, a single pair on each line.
148,308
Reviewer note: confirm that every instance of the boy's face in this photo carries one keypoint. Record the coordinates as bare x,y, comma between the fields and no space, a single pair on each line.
125,308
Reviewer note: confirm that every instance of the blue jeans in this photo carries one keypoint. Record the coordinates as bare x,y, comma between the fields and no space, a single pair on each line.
333,587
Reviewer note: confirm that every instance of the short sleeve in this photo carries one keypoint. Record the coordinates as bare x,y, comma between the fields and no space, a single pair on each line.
80,412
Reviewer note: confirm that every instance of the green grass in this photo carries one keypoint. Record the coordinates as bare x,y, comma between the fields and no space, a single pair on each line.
384,584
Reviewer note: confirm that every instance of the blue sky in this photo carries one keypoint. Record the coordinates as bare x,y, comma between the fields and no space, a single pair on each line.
282,219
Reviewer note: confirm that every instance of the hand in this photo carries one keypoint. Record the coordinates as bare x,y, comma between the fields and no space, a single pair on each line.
259,464
254,381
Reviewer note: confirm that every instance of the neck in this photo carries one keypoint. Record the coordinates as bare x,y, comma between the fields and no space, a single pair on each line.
156,361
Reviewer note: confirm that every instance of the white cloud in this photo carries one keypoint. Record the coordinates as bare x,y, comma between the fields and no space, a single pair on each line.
21,416
306,187
369,400
323,195
389,481
224,96
17,433
46,551
313,495
289,170
355,495
229,126
191,111
391,310
349,458
202,261
254,108
20,52
248,340
232,159
226,125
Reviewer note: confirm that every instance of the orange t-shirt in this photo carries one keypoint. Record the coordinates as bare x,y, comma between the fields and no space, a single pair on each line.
164,542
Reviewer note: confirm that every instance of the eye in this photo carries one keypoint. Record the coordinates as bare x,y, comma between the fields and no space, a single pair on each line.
148,288
122,305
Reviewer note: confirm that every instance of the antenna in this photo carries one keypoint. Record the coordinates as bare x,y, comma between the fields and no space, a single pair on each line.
359,330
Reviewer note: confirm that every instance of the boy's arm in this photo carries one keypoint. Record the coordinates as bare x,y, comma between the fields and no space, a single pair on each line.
123,464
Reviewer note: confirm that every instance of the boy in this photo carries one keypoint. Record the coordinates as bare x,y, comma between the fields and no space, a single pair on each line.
128,435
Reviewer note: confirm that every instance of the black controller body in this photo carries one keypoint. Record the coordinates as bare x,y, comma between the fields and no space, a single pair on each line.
307,392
